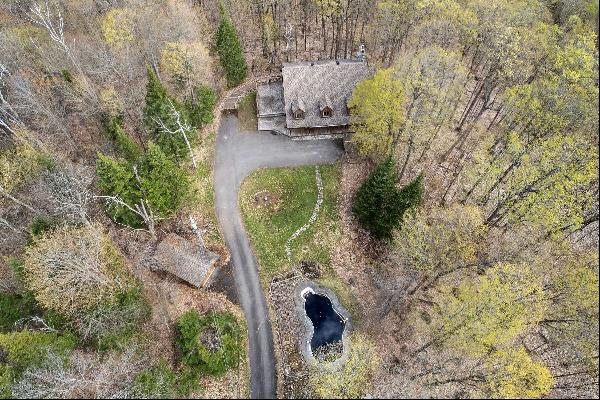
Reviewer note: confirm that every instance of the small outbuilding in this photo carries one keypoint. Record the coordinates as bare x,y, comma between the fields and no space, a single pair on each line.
185,259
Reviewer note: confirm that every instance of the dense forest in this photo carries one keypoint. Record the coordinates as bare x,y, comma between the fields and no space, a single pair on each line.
461,227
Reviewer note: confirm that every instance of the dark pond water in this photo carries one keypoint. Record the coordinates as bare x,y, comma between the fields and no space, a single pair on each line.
328,325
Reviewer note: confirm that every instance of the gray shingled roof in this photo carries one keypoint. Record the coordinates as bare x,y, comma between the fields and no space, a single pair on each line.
321,83
184,259
269,98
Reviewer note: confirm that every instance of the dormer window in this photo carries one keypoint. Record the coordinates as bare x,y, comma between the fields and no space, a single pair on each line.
325,107
298,109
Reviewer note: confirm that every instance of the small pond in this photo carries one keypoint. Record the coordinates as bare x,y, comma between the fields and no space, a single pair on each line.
327,323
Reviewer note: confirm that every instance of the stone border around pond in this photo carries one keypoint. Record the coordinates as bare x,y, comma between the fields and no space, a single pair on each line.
307,326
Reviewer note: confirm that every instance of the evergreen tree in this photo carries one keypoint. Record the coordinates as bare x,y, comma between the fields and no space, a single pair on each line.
230,52
121,140
201,108
410,195
156,107
167,120
379,205
153,179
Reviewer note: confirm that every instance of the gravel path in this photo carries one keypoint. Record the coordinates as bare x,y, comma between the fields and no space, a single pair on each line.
238,155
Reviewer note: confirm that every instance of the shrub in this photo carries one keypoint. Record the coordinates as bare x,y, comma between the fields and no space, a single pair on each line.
214,358
6,380
351,380
20,164
161,382
200,110
74,269
66,74
230,52
30,348
39,226
117,325
13,307
380,206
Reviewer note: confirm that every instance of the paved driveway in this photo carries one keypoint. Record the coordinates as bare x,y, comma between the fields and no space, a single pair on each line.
237,155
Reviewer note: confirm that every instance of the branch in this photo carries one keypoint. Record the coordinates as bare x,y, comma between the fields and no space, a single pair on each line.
182,128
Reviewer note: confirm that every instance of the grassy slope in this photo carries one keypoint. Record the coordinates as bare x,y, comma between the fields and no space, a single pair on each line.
269,226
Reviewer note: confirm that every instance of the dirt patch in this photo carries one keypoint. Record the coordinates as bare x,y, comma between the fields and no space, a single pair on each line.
310,269
210,339
266,199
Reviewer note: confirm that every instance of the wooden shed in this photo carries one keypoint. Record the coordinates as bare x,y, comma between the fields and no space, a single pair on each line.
185,259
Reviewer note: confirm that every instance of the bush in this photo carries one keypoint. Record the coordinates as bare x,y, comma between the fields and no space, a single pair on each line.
230,52
75,269
116,326
19,165
352,380
161,382
380,206
193,331
6,380
13,307
39,226
30,348
200,110
26,349
42,225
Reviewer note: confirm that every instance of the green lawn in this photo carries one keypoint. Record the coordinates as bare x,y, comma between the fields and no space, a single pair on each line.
291,197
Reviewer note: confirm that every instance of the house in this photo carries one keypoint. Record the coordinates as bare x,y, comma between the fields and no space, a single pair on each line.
186,260
311,98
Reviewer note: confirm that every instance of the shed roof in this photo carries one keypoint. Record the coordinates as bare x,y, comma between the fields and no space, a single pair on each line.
269,98
184,259
318,84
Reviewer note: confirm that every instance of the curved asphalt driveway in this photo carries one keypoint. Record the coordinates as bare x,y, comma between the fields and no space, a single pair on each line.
237,155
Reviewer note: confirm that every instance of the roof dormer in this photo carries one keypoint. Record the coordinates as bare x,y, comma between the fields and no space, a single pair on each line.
298,109
325,107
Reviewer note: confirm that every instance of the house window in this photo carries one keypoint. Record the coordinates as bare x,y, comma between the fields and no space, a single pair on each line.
326,113
298,114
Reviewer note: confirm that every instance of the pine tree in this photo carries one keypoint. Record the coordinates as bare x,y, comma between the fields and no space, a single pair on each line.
121,140
153,180
156,107
410,195
230,52
379,205
200,109
167,120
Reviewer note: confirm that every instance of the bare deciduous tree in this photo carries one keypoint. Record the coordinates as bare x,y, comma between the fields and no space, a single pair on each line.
74,270
69,193
85,375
